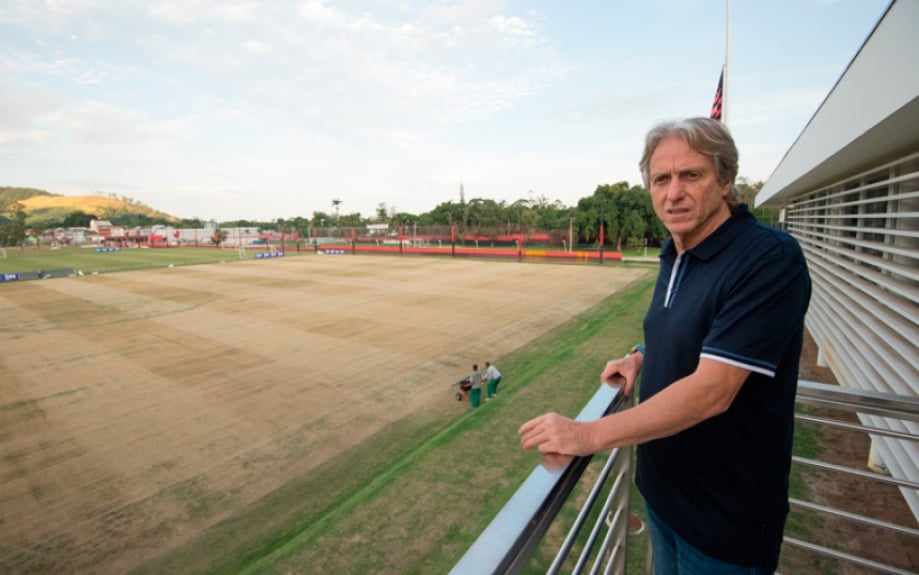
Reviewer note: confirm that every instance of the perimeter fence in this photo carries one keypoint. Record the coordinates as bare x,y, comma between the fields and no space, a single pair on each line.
510,242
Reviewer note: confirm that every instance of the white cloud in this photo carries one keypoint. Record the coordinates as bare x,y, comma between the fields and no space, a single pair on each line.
176,12
22,104
256,47
513,26
70,6
190,11
90,76
232,109
236,12
318,12
19,137
100,123
51,12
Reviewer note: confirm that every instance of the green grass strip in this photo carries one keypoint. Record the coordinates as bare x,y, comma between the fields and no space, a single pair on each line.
89,261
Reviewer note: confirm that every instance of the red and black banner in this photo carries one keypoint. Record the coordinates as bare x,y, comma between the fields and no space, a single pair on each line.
716,105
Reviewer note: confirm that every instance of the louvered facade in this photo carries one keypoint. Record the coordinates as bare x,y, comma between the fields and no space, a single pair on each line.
849,190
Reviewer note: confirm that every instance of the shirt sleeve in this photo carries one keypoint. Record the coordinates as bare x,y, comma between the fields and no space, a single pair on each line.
762,310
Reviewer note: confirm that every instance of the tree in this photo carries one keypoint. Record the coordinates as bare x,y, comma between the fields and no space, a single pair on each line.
300,225
190,223
552,215
382,213
321,219
635,213
219,237
16,229
404,218
353,220
77,219
480,213
444,214
601,208
748,190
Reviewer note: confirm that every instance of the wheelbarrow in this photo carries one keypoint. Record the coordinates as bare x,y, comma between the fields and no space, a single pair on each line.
463,386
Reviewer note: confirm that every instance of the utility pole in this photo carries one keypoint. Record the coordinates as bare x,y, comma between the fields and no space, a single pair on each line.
570,233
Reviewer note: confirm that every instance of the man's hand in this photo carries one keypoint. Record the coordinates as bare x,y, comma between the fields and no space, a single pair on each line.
553,433
623,372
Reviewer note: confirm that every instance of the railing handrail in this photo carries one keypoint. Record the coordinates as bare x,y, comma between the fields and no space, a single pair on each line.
858,400
509,540
889,406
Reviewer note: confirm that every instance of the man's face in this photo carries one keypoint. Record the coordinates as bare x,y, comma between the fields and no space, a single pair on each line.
685,192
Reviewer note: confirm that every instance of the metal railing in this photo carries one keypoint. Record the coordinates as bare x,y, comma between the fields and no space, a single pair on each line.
509,541
835,401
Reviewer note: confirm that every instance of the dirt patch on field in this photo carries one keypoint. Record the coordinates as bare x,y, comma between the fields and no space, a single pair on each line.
852,494
138,409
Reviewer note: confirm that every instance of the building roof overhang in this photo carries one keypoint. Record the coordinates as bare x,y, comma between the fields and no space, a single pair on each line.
869,117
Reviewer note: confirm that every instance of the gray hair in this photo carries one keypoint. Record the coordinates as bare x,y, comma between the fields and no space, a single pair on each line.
707,137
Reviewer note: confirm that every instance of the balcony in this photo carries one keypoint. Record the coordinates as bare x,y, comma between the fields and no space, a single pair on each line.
597,539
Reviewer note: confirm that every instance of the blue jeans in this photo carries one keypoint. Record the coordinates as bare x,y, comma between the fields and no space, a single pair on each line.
674,556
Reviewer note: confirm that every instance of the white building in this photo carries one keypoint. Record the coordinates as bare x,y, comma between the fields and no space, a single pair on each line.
849,191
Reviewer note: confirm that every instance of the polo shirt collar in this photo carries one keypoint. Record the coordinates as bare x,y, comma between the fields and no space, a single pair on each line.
717,240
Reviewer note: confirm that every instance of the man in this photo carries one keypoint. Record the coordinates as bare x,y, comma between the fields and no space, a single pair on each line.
493,377
475,392
723,332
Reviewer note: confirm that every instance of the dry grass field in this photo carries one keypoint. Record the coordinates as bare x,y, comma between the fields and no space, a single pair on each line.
138,409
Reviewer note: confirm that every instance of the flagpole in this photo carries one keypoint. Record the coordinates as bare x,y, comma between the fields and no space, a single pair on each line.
726,98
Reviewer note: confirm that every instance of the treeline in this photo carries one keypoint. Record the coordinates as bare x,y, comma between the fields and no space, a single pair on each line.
624,211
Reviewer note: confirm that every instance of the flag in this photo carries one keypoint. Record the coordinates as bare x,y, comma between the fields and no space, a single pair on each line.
716,105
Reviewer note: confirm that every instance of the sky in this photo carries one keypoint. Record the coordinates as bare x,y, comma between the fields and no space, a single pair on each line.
259,110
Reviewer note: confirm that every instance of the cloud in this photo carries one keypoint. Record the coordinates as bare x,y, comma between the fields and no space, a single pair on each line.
193,11
247,109
19,137
514,28
90,76
256,47
103,124
70,6
171,12
23,104
50,12
319,13
241,12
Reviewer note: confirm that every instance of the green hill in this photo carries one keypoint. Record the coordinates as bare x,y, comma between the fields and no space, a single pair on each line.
9,195
44,208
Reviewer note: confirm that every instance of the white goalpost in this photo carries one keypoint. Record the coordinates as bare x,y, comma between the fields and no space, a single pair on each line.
2,253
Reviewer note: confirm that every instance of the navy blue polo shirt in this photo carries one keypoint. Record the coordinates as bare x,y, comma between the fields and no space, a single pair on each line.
738,297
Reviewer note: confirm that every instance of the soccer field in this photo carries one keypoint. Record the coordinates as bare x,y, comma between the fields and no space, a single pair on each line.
138,409
88,261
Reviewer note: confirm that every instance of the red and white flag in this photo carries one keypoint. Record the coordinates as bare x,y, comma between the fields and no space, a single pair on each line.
716,105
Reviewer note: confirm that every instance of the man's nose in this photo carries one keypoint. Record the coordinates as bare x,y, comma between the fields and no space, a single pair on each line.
675,189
